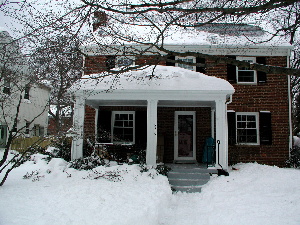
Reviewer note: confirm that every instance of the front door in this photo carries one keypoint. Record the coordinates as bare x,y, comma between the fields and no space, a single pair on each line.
3,135
185,135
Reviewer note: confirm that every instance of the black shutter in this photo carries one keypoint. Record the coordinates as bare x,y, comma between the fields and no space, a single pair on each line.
170,58
141,129
200,69
110,62
231,71
265,128
104,126
261,76
231,128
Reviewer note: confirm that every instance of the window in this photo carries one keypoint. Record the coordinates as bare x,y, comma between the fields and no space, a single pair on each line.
26,92
6,87
123,124
27,128
36,130
247,128
125,61
244,74
190,59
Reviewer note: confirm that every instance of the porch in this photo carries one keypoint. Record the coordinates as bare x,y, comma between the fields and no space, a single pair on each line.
173,105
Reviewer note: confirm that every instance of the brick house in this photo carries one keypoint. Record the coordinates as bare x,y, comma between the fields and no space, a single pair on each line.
246,112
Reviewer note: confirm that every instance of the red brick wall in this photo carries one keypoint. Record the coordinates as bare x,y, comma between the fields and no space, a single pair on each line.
97,64
271,96
94,64
89,122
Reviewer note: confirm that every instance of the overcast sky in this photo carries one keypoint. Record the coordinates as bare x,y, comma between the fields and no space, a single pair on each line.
12,9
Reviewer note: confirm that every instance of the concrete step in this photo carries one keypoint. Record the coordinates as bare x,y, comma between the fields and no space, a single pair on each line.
189,177
188,182
187,189
177,175
194,170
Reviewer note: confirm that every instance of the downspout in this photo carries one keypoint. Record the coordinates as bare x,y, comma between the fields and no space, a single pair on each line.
290,106
229,101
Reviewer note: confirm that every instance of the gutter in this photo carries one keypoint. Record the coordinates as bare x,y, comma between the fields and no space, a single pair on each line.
290,106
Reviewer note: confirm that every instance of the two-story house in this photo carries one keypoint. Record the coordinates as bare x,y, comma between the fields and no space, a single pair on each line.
172,108
23,103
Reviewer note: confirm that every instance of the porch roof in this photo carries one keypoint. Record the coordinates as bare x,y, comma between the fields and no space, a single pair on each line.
160,82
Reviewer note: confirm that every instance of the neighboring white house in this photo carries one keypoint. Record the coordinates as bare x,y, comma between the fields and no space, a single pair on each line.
21,100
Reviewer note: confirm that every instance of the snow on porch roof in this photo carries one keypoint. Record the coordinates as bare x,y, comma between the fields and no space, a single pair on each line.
164,78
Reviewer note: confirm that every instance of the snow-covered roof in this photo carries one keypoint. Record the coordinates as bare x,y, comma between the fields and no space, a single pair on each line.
154,78
175,35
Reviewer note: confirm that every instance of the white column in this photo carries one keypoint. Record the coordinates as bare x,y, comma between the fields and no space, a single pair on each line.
212,115
151,132
78,124
221,134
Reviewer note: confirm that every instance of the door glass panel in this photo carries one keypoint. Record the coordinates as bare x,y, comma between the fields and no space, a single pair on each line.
185,135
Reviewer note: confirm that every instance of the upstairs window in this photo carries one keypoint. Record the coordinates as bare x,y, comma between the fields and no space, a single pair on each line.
247,128
189,59
123,124
125,61
244,74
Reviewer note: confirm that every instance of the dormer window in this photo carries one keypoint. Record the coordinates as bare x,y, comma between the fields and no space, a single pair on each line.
244,74
125,61
189,59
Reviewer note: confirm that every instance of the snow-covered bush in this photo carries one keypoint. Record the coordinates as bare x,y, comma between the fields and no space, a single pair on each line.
62,148
294,160
160,169
88,163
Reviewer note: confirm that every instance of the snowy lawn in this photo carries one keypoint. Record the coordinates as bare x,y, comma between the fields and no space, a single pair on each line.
253,194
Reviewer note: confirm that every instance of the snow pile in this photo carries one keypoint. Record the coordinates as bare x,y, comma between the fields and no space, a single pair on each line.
296,141
154,78
252,194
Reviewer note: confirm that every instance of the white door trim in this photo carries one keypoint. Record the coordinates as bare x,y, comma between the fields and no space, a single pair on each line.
177,113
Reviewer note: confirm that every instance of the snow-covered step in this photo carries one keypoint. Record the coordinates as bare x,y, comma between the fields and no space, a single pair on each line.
189,178
187,182
178,175
188,189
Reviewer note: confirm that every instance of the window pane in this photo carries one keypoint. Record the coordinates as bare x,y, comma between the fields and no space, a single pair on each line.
123,127
246,76
246,129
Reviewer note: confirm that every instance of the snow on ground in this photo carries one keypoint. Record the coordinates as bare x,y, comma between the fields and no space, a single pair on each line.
253,194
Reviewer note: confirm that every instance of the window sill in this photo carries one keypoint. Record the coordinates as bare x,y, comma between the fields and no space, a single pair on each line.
246,83
247,144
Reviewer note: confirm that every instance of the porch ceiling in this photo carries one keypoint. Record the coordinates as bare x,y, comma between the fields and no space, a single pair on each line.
95,103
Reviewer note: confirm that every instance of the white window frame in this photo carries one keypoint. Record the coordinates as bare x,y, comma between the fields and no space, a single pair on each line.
256,114
113,118
125,57
253,59
193,68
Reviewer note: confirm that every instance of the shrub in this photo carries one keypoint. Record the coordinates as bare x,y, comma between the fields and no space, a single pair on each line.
62,147
87,163
294,160
160,169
